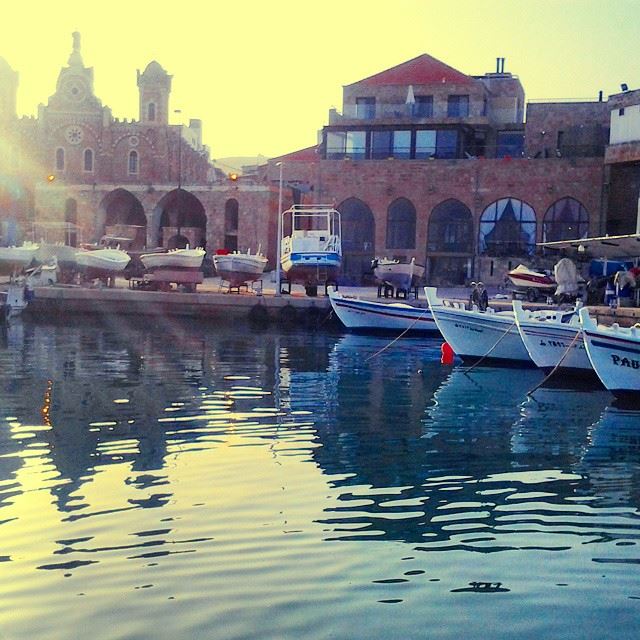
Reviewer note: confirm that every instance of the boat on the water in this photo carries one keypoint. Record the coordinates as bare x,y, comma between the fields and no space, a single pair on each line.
396,274
239,268
96,263
14,300
614,353
311,247
174,259
368,315
474,334
16,258
553,338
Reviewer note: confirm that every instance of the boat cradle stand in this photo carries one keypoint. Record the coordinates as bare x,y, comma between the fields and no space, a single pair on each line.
388,291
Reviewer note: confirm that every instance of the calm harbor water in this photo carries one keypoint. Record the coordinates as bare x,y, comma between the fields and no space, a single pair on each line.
180,480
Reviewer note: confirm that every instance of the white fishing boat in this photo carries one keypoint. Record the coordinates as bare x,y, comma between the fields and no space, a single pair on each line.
174,259
553,338
396,274
102,262
473,334
614,353
368,315
63,254
16,258
311,248
239,268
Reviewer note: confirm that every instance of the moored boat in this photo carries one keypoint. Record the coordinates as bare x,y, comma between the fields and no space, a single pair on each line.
174,259
553,338
474,334
614,353
16,258
239,268
311,247
14,300
367,315
396,274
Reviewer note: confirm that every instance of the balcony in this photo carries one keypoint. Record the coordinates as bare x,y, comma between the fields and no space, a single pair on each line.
402,112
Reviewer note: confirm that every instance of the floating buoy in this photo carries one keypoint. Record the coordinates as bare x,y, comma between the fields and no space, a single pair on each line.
447,354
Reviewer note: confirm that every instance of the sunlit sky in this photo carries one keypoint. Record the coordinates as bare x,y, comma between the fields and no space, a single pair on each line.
262,76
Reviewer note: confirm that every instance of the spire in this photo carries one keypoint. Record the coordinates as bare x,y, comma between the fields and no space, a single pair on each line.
75,59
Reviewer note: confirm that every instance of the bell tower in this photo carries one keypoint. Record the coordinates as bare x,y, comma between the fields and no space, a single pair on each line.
154,85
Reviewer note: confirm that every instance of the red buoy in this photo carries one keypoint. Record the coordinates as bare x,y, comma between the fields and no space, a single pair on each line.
447,354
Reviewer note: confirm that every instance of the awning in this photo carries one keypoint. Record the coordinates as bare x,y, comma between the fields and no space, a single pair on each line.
610,247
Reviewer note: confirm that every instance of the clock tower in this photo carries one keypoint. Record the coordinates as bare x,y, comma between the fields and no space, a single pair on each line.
154,84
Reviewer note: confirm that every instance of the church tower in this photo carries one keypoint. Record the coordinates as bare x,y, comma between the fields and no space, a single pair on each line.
154,85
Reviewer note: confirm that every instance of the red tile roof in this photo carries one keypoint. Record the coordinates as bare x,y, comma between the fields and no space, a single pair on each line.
302,155
421,70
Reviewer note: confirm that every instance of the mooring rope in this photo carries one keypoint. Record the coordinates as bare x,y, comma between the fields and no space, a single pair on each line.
475,364
564,355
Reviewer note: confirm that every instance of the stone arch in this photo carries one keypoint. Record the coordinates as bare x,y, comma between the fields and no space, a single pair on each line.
507,228
179,219
121,214
401,225
449,243
565,219
358,239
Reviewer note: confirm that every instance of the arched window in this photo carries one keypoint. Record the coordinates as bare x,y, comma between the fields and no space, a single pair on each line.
231,225
507,228
565,219
88,160
450,228
151,111
60,159
133,162
401,225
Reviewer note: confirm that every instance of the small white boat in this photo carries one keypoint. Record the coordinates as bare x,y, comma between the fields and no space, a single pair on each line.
15,259
614,353
239,268
473,334
102,262
174,259
311,248
396,274
14,300
523,277
553,338
64,255
368,315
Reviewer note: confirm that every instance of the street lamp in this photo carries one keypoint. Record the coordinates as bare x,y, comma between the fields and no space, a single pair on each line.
179,197
279,239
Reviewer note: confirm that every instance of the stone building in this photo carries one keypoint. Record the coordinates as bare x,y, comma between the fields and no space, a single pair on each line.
76,173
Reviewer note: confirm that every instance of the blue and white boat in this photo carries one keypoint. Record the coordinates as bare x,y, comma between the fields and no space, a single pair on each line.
311,248
368,315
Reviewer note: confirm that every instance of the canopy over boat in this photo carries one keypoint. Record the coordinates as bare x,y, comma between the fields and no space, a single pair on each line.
626,246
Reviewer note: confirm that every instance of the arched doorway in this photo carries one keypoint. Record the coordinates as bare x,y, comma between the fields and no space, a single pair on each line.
121,216
507,228
401,225
231,210
181,221
449,243
358,240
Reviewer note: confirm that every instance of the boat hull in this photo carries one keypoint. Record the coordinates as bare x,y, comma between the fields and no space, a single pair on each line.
366,315
16,258
311,269
238,269
475,335
398,276
176,259
614,355
101,262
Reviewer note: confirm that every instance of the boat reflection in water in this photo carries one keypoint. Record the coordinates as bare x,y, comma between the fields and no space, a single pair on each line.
239,484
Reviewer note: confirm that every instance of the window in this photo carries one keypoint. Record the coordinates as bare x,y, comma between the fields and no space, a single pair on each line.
425,144
402,144
87,160
458,106
507,228
356,144
380,144
447,144
401,225
59,159
336,144
450,228
566,219
423,107
133,162
366,108
151,111
621,111
509,144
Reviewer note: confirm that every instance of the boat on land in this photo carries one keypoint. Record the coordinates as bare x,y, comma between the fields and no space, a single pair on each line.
96,263
553,338
396,274
174,259
16,258
311,246
530,283
614,353
239,268
473,334
63,254
368,315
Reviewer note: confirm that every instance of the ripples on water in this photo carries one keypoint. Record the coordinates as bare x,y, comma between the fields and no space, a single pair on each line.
182,481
